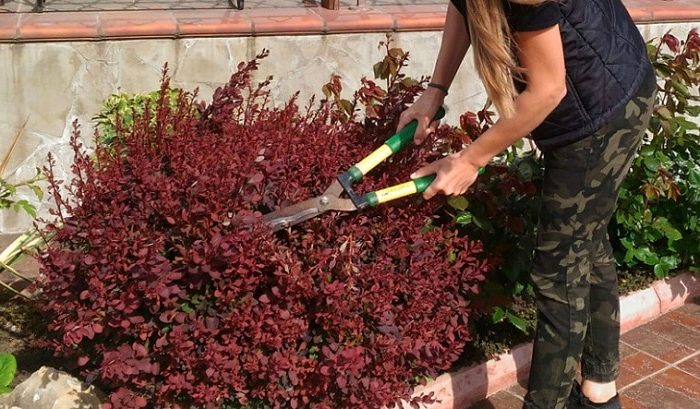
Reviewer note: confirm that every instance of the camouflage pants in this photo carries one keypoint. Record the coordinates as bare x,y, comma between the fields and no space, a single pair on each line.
574,271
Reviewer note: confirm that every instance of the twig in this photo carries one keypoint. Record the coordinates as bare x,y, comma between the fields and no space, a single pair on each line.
15,272
6,159
13,290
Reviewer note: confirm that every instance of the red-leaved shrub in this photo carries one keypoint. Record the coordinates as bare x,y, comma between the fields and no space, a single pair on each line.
165,296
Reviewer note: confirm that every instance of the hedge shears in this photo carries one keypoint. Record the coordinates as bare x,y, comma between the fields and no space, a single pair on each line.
331,199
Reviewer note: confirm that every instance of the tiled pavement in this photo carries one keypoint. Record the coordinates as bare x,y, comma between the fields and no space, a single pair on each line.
660,365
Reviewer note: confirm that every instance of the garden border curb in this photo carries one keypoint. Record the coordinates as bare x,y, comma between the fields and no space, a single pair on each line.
469,385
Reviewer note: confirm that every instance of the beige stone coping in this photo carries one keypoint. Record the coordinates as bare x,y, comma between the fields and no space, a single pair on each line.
130,24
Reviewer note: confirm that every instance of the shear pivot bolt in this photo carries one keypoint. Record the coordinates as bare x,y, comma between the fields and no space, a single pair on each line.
325,201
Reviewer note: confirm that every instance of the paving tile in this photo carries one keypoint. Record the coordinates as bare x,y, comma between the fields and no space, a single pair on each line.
636,367
649,342
691,365
627,350
655,396
519,389
691,308
674,331
501,400
689,321
631,403
679,381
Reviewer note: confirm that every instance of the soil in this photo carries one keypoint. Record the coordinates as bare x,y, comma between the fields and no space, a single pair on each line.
20,325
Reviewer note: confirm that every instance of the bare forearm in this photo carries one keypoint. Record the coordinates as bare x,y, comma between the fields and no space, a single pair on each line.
454,46
530,110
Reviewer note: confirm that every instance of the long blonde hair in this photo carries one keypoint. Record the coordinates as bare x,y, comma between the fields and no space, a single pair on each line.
491,40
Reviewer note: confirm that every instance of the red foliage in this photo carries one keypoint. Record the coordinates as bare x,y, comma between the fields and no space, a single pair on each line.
160,290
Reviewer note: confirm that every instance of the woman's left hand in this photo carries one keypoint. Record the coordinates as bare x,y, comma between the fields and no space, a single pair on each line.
454,175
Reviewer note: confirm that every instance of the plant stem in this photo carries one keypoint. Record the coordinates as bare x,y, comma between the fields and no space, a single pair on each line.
15,272
13,290
6,159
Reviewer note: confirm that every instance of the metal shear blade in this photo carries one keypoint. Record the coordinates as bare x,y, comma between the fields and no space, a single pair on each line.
308,209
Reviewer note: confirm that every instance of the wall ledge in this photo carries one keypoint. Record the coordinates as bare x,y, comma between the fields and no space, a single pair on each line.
139,24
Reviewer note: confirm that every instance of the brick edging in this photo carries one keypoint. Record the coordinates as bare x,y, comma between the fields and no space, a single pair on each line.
470,385
133,24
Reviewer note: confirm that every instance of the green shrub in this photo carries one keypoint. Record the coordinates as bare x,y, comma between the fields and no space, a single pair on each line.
657,223
8,368
120,111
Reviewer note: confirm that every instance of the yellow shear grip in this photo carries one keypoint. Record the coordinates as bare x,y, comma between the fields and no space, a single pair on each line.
374,159
396,192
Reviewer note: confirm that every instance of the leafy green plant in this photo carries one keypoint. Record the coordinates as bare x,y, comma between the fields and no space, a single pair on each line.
120,111
657,224
8,191
501,211
29,240
8,369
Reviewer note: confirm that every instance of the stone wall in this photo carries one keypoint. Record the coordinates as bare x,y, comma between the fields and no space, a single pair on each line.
51,84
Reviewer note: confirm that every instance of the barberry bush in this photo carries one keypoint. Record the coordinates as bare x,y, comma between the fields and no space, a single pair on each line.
167,289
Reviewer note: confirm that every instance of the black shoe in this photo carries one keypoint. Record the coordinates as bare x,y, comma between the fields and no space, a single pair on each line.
578,401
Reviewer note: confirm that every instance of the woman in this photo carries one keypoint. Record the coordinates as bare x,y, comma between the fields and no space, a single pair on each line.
584,91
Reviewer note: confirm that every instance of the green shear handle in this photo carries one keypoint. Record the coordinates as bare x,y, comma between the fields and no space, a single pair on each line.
392,145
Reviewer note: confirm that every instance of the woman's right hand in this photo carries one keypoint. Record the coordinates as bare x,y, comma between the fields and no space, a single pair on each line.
423,110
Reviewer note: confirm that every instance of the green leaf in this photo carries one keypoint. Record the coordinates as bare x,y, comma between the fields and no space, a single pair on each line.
694,177
346,106
37,191
517,321
8,369
661,271
681,88
525,169
458,202
464,218
498,315
693,110
26,206
651,163
186,308
685,124
451,256
645,255
518,288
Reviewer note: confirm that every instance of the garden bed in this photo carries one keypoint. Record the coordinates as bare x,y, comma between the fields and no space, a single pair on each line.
175,293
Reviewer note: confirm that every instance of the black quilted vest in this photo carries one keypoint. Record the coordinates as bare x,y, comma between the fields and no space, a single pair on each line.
606,63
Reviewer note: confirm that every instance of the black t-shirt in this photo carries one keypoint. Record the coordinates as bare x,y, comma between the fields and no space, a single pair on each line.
522,17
